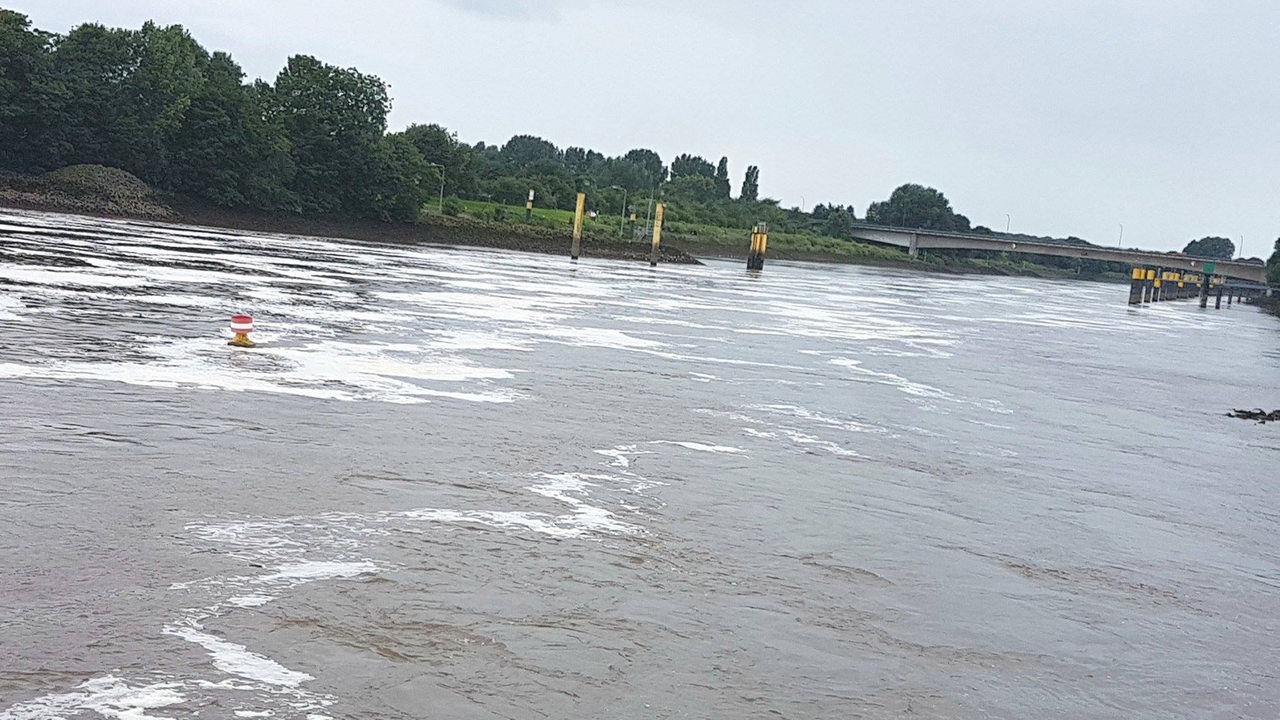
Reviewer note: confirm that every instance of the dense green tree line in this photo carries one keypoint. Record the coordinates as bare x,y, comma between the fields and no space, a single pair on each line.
1218,248
154,102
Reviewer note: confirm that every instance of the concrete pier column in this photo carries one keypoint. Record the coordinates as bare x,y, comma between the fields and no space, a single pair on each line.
1135,285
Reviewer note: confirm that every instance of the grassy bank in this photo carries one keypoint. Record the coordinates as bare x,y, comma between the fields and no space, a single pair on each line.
94,190
723,242
106,192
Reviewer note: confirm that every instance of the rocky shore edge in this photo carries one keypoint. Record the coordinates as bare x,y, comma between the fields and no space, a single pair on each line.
108,192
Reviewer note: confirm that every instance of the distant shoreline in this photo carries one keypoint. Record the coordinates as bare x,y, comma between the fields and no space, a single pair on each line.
99,196
45,195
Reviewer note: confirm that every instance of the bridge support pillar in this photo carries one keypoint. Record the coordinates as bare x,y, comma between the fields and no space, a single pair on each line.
1217,303
1136,285
1204,291
913,249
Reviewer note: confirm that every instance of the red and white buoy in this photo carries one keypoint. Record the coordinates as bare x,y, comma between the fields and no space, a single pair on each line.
241,325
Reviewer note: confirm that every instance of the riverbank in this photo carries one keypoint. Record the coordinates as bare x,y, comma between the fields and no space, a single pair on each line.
106,192
1266,304
84,190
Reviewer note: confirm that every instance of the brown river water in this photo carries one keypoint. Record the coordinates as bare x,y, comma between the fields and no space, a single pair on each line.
468,484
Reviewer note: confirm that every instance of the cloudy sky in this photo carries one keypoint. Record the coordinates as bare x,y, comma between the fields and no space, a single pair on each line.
1055,117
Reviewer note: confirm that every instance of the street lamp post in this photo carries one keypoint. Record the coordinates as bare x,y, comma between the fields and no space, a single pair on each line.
440,169
622,216
649,210
1120,242
1007,220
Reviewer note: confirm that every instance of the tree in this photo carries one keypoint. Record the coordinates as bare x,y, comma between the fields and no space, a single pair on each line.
722,178
228,147
917,206
686,165
521,151
692,188
839,224
650,162
91,111
1273,265
397,186
624,173
168,75
334,118
23,56
1218,248
750,185
441,147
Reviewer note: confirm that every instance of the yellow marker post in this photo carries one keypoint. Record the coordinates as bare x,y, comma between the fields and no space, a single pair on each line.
1135,285
759,245
577,227
657,235
528,207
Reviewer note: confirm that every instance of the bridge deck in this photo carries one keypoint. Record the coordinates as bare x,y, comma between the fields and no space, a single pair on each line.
916,240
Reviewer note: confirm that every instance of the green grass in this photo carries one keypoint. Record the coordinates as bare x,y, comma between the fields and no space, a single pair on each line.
693,237
715,240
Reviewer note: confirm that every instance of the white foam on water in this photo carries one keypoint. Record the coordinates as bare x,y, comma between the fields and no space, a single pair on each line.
592,337
9,307
801,438
254,713
806,414
514,310
237,659
700,447
466,340
61,278
541,523
313,570
915,389
622,455
242,601
897,381
350,373
109,696
567,487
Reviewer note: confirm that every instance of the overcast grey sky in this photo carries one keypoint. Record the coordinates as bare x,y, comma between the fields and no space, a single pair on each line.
1070,116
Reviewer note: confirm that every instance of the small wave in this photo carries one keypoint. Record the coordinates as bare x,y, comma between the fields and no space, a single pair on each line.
700,447
108,696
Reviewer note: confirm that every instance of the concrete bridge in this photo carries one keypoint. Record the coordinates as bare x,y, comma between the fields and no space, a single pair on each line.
916,240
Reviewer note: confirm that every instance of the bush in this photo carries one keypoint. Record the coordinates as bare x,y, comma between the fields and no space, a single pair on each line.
101,181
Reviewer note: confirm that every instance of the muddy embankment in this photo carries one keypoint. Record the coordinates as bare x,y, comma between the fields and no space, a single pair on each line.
108,192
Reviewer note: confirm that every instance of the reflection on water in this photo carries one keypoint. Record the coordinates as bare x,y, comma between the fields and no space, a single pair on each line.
477,484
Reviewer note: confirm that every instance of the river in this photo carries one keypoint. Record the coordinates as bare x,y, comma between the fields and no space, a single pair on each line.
471,484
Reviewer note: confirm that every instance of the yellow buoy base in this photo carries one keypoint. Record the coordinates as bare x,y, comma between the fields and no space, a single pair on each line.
242,340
